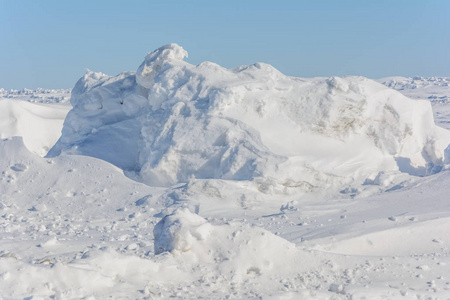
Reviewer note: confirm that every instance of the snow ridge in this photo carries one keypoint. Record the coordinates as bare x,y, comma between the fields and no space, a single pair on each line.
172,121
435,89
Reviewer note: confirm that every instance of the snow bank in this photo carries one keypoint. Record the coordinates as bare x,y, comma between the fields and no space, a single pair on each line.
171,121
38,124
434,89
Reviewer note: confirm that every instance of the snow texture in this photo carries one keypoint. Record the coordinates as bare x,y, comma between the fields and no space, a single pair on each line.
171,121
240,183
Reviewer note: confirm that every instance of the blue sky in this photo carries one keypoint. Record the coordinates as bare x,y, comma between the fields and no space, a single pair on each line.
49,43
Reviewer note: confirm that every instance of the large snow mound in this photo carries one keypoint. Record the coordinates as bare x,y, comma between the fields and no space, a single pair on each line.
171,121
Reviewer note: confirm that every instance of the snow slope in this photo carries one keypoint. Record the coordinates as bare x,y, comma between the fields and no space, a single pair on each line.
278,188
75,227
27,113
38,124
434,89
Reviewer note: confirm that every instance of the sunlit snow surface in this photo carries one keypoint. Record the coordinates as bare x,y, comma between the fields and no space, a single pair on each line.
434,89
271,187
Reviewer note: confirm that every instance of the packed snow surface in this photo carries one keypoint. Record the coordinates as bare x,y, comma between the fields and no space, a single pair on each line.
187,182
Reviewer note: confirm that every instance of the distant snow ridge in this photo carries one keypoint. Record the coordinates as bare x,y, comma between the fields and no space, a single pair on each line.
39,125
171,121
435,89
38,95
398,82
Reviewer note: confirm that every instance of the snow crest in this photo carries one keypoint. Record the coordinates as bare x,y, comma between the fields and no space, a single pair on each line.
154,62
171,121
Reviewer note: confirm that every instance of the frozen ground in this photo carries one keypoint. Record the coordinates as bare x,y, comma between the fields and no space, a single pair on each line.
192,182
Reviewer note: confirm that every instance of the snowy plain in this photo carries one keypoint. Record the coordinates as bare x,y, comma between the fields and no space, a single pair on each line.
187,182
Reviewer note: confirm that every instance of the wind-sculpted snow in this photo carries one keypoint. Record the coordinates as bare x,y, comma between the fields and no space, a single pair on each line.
434,89
35,115
172,121
103,122
38,124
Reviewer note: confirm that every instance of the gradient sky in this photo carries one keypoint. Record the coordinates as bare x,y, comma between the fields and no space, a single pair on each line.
49,43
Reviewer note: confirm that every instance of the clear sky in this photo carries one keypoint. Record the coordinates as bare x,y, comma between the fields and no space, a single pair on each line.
49,43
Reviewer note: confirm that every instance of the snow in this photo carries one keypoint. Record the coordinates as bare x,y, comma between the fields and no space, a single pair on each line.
434,89
187,182
39,95
173,121
179,231
38,124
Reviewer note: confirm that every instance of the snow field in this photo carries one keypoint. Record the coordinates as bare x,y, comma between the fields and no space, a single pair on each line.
241,183
434,89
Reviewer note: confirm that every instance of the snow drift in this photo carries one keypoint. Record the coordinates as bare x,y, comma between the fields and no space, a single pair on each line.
235,250
38,124
171,121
